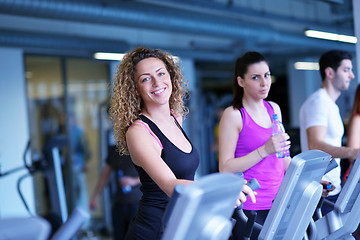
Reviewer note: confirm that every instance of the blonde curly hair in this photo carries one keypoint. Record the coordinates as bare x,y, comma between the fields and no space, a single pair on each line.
126,103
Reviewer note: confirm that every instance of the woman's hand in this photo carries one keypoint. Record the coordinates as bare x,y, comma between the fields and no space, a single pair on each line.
93,203
277,143
242,197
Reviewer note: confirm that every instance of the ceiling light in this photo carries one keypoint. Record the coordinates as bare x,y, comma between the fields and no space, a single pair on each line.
109,56
331,36
306,66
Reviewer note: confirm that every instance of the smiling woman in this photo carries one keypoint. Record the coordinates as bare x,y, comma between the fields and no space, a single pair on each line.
126,101
148,110
153,81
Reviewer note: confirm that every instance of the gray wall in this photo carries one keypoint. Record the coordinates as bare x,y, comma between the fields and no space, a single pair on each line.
14,133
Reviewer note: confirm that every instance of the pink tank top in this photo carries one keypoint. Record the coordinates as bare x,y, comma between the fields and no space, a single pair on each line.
269,171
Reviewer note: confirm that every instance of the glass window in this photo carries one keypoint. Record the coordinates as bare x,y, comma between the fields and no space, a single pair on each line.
87,89
64,97
45,91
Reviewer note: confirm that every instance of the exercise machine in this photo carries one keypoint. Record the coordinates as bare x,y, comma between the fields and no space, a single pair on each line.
40,229
341,222
297,198
53,174
36,227
203,209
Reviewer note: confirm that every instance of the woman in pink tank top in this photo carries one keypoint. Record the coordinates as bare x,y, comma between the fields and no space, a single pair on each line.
246,143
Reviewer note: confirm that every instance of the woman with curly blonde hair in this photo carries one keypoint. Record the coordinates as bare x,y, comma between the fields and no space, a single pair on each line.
147,109
126,102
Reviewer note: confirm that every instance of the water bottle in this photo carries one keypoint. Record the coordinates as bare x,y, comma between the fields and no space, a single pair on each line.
277,128
126,189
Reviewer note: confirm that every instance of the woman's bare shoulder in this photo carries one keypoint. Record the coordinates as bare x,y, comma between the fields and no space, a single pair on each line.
356,119
275,106
230,110
232,114
138,127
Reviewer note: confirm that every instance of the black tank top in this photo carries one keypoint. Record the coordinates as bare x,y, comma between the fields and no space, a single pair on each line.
182,164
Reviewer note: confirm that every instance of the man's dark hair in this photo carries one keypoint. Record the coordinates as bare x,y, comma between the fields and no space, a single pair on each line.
332,59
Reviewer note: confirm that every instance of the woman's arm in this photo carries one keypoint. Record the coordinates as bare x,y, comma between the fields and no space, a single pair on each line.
354,133
129,181
287,161
229,129
103,180
146,153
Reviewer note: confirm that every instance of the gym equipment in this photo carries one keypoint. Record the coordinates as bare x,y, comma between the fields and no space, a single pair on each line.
38,228
240,216
50,166
200,211
203,209
24,228
341,222
54,175
295,201
72,225
318,214
297,197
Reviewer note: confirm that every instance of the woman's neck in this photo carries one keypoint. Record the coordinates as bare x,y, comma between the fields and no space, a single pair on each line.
253,105
158,114
258,112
